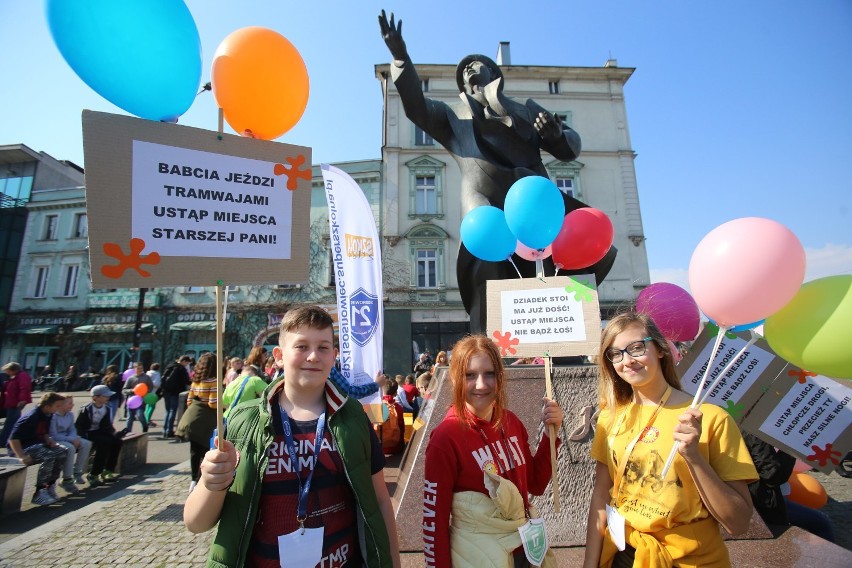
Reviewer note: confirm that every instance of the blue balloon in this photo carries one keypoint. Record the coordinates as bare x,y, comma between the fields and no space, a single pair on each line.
535,211
485,234
143,56
743,327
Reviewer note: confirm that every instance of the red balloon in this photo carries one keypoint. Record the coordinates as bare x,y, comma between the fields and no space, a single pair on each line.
585,238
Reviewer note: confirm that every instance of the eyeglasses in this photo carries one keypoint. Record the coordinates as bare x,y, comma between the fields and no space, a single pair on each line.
635,349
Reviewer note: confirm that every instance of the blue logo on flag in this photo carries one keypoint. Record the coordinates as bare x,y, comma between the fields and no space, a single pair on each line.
364,315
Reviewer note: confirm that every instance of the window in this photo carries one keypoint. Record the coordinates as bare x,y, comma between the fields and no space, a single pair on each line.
425,198
425,191
421,138
233,288
427,268
566,186
553,87
69,287
424,84
40,282
566,176
427,250
16,180
193,289
81,226
50,224
332,280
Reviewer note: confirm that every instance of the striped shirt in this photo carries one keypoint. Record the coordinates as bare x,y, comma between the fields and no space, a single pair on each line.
204,390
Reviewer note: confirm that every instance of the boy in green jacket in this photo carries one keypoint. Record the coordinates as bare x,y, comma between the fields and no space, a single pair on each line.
328,507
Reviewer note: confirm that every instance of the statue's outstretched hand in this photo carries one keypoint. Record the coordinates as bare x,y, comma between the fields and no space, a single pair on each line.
393,36
548,126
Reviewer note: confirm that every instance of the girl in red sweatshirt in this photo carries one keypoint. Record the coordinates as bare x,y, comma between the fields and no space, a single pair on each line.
479,433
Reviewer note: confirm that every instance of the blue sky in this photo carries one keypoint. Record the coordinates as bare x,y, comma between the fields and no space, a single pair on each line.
735,109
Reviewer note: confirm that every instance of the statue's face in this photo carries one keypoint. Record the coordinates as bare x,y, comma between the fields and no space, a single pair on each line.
476,73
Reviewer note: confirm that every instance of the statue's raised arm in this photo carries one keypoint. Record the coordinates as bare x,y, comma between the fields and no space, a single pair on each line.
392,34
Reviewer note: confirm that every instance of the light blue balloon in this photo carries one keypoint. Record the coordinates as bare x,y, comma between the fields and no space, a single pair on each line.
743,327
485,234
143,56
535,211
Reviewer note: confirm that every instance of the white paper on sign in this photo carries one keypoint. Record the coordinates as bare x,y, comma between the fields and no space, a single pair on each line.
543,315
748,367
810,413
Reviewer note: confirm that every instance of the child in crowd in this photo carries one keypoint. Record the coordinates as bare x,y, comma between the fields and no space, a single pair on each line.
345,514
247,386
63,431
94,423
31,443
140,378
392,431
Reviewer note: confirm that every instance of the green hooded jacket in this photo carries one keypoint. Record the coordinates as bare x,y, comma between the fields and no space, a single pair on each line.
251,431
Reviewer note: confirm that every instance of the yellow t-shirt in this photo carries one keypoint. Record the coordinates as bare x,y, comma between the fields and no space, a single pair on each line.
648,503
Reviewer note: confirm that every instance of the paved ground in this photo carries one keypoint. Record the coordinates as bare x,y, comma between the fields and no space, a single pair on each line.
137,521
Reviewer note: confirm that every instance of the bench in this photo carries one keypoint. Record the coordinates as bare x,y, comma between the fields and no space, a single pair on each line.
13,477
134,452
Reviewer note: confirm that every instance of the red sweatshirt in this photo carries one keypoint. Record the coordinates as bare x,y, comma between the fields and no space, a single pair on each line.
455,459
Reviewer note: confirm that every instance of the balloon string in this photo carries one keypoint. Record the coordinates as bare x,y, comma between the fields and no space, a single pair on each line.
515,265
722,330
727,368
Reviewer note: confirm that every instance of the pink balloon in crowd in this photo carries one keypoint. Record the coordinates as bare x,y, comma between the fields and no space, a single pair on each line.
672,309
528,253
676,355
745,270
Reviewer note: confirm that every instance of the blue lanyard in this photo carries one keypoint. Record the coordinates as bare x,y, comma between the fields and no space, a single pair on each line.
305,488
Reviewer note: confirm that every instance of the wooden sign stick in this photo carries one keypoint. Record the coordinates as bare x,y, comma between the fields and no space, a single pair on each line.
552,435
220,328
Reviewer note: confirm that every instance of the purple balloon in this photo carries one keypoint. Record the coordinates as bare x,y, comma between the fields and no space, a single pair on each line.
134,402
672,309
127,374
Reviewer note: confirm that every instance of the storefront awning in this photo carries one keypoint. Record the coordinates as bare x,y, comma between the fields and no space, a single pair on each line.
111,328
193,326
33,330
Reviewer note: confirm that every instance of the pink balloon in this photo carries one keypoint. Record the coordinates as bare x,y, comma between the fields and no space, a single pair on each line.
676,355
528,253
746,270
134,402
802,467
672,309
127,374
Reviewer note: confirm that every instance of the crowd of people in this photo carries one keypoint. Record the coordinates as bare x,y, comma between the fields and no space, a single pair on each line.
331,503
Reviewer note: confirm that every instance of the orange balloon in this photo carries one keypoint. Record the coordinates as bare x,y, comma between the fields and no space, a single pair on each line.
260,82
807,491
141,389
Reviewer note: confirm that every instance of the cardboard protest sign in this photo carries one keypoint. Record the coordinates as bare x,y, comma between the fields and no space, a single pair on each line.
806,415
744,383
559,315
172,205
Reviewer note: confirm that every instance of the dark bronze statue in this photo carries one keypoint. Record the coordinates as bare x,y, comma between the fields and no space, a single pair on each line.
496,141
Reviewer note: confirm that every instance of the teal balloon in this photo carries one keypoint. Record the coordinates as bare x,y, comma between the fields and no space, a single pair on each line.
150,399
143,56
743,327
813,330
535,211
485,234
